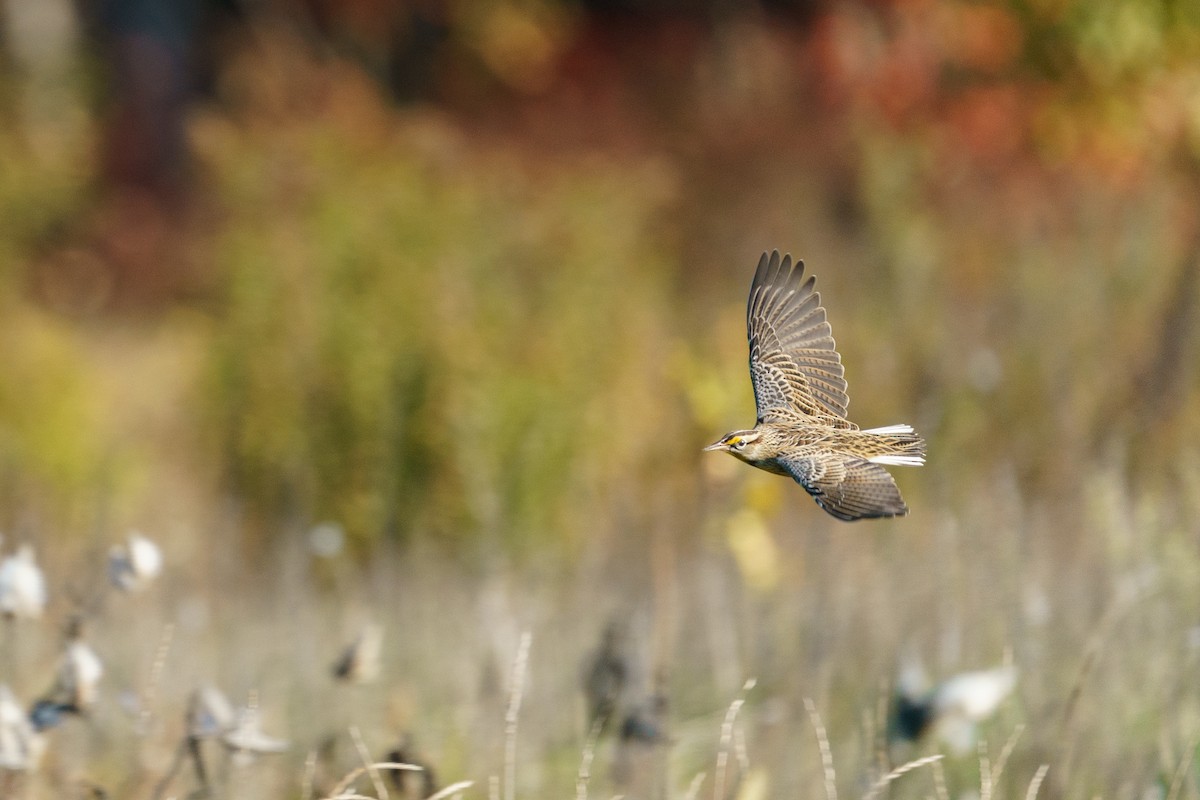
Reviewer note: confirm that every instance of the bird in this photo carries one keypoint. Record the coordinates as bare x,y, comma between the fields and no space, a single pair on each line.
801,430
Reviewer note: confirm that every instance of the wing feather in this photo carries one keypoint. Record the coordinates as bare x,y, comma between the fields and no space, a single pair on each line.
846,487
794,363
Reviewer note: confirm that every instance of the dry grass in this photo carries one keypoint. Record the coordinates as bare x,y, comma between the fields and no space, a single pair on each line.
830,634
492,369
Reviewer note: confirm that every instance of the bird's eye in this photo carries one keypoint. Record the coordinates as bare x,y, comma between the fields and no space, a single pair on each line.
737,442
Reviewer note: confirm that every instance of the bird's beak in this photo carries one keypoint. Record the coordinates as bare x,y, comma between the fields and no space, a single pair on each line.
716,446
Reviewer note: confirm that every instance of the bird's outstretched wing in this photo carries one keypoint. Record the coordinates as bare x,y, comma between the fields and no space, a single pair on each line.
794,365
849,488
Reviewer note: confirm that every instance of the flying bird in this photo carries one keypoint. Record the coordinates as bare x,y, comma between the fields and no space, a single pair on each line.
800,391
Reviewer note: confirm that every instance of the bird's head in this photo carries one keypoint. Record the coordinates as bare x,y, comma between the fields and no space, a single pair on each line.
744,445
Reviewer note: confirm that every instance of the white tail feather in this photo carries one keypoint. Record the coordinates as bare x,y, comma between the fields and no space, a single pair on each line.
899,460
891,430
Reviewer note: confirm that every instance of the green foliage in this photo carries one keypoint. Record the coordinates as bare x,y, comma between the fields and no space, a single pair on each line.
409,344
52,442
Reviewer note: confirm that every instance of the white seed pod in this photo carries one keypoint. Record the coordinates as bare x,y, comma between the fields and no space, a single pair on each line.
962,701
22,585
246,739
21,746
134,566
79,674
210,714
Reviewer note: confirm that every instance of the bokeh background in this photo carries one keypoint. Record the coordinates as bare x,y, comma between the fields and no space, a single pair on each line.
420,312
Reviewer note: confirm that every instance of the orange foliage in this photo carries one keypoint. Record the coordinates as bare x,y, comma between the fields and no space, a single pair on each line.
990,121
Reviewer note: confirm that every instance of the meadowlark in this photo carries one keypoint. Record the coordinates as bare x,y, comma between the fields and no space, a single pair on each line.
800,392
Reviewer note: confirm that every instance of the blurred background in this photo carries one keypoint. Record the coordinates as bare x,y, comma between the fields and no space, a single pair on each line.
419,313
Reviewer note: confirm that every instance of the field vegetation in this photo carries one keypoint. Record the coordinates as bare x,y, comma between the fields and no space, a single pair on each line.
446,366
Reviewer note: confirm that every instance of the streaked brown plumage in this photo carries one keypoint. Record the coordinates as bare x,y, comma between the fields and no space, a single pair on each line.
800,392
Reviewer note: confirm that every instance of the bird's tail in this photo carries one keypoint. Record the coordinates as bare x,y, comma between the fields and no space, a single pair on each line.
904,446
